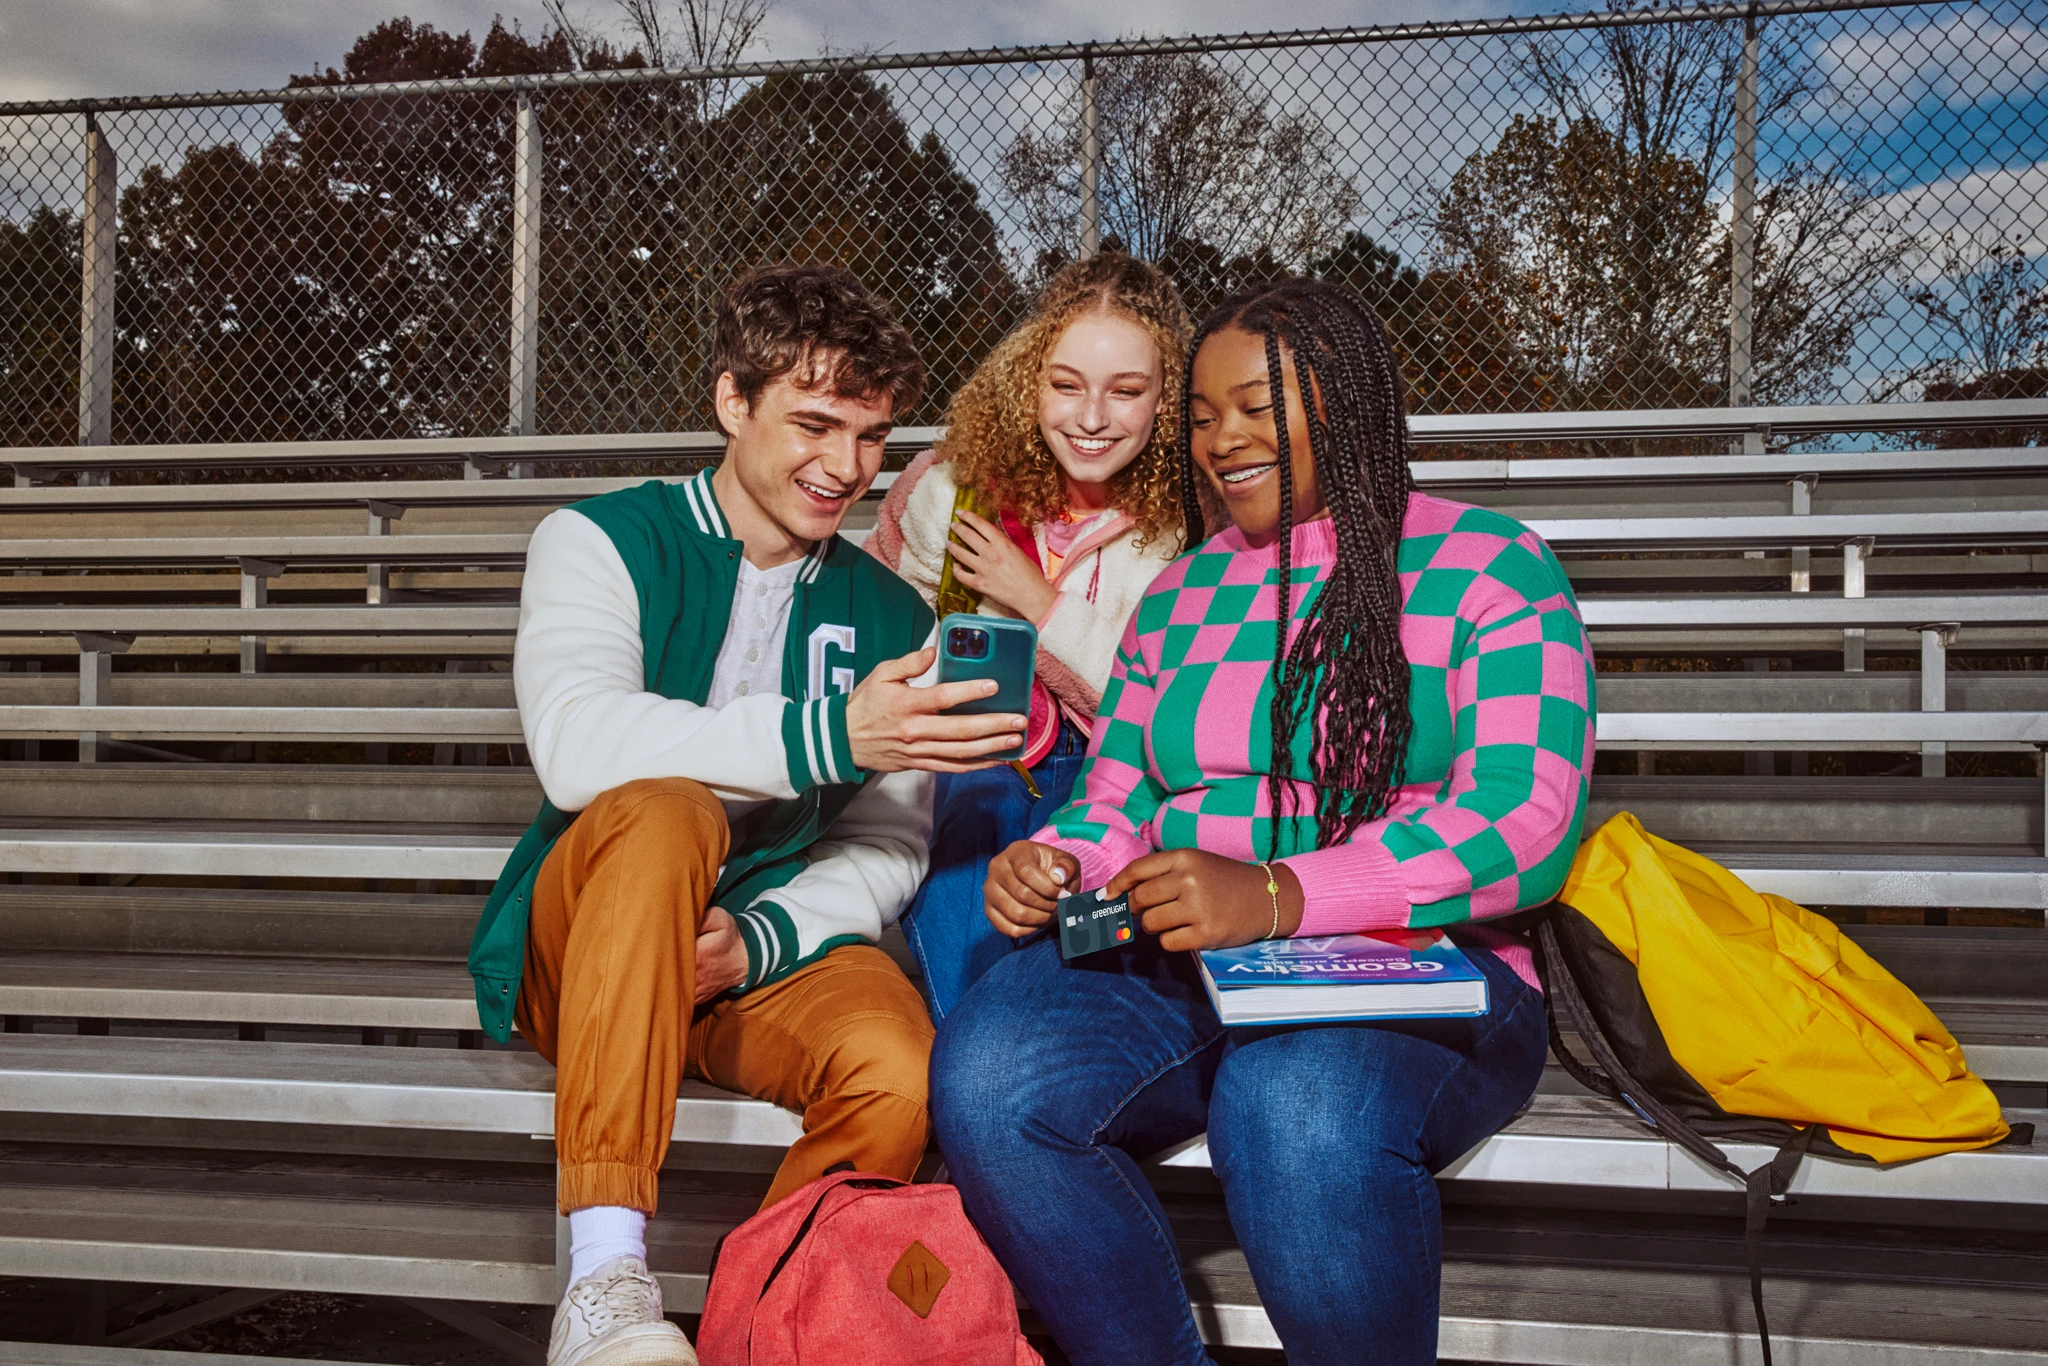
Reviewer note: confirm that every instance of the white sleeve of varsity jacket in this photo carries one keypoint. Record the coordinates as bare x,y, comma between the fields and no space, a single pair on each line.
589,720
859,877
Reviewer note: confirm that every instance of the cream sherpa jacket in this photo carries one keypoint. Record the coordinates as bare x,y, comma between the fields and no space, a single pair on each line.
1099,583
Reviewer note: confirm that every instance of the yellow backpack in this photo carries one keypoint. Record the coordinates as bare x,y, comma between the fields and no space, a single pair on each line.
1717,1012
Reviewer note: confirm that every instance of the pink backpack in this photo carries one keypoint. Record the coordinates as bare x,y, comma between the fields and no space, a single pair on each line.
859,1270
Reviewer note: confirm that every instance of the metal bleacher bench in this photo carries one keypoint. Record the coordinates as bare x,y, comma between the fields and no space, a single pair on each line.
268,1161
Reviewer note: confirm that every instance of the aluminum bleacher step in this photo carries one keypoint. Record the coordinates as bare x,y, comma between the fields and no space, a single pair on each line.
236,924
1850,877
1733,811
403,619
1861,878
285,550
319,851
2006,1040
1969,690
1894,730
1564,535
454,725
454,1090
2001,816
1517,1287
433,794
273,991
68,1354
494,689
1787,691
1559,1140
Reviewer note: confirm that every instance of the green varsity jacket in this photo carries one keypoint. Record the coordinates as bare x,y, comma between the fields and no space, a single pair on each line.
849,614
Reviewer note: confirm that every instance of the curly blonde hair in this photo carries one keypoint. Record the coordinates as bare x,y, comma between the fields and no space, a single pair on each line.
993,442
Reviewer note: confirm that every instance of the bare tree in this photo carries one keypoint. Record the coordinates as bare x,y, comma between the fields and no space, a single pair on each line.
1664,88
685,33
698,33
1192,159
1595,235
1827,247
1991,304
579,33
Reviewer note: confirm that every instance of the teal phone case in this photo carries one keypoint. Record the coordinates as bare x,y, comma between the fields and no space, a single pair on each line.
1011,660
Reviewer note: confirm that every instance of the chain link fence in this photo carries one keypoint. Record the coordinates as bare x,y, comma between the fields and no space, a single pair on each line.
1781,202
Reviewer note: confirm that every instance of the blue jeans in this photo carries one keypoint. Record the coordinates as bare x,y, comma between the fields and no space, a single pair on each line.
1050,1081
977,816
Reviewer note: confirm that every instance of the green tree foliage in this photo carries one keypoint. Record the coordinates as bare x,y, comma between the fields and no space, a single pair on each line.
1451,345
345,272
39,284
347,280
656,213
1597,262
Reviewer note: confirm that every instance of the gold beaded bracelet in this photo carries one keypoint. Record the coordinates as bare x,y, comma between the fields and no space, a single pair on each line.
1273,890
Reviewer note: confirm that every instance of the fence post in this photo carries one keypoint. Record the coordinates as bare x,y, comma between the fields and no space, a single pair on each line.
96,296
525,339
1742,235
1091,157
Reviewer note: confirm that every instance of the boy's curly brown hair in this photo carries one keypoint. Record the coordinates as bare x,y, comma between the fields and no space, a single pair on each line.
818,324
992,437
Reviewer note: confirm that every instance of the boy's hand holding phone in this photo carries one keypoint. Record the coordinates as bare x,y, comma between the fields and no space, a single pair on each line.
892,726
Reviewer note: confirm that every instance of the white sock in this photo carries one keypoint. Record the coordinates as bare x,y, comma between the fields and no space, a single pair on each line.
602,1232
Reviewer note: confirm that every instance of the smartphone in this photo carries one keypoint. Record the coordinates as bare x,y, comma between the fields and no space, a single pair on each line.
973,647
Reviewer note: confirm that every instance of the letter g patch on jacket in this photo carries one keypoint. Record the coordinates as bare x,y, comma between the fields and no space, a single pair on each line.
826,637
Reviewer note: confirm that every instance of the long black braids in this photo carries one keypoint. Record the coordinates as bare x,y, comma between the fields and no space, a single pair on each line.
1346,673
1278,789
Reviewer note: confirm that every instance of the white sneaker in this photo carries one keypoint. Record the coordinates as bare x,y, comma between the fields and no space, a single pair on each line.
612,1317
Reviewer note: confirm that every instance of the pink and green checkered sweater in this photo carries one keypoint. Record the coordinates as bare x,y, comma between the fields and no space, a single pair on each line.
1486,821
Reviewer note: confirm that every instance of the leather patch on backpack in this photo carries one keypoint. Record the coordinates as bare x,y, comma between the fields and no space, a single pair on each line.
917,1278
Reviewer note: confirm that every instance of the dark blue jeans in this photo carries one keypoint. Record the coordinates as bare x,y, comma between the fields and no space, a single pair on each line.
976,816
1050,1080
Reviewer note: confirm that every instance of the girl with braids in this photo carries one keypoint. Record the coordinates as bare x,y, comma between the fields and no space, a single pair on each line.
1054,497
1411,751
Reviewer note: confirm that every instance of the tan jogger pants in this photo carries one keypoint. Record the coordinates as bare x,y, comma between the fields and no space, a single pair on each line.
610,976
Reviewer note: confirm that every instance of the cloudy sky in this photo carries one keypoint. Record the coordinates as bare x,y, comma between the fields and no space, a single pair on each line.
51,49
1946,106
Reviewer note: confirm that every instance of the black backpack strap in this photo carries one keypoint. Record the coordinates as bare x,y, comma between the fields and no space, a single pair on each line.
1561,993
1565,999
1763,1188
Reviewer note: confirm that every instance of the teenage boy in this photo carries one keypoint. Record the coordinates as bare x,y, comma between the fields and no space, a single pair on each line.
717,693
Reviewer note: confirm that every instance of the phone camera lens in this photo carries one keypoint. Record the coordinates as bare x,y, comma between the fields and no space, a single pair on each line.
964,642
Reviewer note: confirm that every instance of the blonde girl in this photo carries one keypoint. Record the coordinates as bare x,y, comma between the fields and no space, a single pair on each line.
1054,498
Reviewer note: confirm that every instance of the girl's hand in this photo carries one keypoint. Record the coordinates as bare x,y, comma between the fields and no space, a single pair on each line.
993,565
1025,881
1194,900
